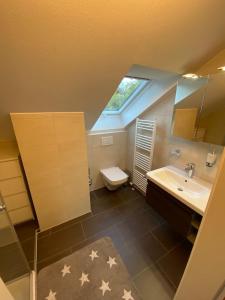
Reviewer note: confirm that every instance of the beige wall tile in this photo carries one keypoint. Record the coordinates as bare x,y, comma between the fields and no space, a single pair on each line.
195,152
55,161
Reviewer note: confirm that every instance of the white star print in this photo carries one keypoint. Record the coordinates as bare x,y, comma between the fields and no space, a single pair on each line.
127,295
51,295
84,278
65,270
111,261
105,287
93,255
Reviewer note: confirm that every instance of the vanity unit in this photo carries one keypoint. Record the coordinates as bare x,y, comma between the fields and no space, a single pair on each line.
180,200
12,185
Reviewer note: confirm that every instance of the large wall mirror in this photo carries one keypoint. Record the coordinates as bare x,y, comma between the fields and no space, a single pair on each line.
199,110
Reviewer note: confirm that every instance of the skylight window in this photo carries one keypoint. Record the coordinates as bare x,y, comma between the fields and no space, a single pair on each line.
128,88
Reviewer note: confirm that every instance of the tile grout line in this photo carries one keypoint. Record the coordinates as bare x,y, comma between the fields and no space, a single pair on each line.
167,277
158,240
83,230
88,217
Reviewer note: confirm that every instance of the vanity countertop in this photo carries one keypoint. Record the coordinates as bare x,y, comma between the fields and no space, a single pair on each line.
193,192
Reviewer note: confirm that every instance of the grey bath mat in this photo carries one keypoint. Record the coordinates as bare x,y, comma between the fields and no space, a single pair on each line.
91,273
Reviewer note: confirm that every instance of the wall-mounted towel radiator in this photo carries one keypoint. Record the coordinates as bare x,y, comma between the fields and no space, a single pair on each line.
143,152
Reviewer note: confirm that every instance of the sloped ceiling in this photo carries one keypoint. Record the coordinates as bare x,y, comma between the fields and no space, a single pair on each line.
70,55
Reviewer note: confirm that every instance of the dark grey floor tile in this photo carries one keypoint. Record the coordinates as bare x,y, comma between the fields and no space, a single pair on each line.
160,219
104,200
174,263
100,222
150,247
101,205
167,236
151,284
133,259
50,260
28,248
104,193
64,225
26,230
12,262
59,240
127,193
132,206
42,234
137,224
112,233
92,196
141,253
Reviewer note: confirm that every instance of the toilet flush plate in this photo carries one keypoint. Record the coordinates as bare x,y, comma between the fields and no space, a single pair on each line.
107,140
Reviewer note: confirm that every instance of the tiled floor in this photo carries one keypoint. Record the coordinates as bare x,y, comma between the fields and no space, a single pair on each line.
154,254
26,235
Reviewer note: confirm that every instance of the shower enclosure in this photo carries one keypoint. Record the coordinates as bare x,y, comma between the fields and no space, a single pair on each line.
14,267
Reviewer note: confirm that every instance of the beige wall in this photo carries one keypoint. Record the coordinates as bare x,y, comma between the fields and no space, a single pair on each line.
4,293
101,157
54,153
212,124
210,67
205,272
162,112
70,55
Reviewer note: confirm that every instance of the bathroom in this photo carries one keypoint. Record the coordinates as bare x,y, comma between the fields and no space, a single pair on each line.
124,170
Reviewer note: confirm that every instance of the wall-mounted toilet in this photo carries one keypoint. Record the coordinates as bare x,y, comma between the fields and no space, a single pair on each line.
113,178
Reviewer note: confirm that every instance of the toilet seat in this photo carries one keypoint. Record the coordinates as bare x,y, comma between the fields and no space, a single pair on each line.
114,175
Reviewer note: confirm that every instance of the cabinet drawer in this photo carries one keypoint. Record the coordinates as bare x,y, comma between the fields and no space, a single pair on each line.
12,186
16,201
9,169
21,215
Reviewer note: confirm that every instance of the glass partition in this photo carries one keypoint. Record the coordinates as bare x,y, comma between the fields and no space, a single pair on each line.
13,263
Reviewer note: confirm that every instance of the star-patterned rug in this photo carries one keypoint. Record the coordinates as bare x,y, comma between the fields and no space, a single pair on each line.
91,273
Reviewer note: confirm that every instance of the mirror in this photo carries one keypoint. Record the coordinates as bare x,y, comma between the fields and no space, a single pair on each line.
212,118
199,110
188,104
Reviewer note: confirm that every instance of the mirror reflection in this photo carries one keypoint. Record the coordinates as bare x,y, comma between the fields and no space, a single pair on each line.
212,118
188,104
199,110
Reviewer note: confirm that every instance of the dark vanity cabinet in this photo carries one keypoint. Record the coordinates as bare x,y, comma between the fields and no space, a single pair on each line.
183,219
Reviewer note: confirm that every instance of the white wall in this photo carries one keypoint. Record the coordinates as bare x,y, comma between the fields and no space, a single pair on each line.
205,271
162,112
101,157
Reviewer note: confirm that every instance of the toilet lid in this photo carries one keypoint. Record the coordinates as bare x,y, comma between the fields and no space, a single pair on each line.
114,174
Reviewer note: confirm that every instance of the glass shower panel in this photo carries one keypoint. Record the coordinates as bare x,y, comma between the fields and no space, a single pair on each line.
13,263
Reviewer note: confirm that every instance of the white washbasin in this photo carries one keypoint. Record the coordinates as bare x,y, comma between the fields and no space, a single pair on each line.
193,192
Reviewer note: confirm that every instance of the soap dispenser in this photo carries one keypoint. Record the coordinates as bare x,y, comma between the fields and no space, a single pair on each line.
211,159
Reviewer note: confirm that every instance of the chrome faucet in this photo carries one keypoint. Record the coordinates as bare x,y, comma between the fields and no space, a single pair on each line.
190,169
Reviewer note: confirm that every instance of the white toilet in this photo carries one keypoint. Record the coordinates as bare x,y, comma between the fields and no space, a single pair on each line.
113,177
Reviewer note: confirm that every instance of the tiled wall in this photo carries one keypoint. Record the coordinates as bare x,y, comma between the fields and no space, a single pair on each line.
101,157
194,152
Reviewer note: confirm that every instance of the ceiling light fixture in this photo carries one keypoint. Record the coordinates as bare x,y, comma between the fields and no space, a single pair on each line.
191,76
221,68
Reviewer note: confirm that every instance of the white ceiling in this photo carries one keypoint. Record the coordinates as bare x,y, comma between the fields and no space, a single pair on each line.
70,55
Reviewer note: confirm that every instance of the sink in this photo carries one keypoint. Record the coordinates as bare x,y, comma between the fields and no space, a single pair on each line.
194,192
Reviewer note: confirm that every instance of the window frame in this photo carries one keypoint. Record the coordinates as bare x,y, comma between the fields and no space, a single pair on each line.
130,98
